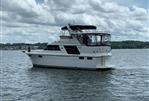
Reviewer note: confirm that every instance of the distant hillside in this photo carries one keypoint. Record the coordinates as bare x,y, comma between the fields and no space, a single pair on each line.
114,44
22,46
129,44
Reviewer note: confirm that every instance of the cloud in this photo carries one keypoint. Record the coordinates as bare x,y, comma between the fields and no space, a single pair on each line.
40,20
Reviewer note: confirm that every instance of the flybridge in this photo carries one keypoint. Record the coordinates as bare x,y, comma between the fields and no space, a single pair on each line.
86,35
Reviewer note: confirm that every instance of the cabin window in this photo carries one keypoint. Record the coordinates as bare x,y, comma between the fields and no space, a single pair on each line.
97,40
106,39
89,58
81,58
72,49
53,47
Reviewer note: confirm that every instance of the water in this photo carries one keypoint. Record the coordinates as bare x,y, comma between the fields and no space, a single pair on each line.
129,81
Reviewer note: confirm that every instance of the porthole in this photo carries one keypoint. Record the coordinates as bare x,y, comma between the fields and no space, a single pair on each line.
89,58
81,58
40,56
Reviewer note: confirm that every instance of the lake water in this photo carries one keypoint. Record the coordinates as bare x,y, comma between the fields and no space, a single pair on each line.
129,81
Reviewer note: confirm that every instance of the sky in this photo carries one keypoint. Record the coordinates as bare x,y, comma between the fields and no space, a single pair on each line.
32,21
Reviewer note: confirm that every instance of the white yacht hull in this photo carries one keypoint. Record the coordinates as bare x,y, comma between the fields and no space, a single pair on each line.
67,61
80,46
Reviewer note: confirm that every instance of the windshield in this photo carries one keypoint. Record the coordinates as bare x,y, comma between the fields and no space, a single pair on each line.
98,40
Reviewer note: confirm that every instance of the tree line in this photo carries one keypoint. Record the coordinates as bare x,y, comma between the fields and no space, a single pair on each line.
129,44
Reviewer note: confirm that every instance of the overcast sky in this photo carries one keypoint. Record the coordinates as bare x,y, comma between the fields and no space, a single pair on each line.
33,21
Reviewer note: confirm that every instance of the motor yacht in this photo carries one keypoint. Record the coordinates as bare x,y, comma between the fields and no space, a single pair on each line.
79,46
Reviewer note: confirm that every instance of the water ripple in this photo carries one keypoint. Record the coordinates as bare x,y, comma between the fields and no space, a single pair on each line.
128,82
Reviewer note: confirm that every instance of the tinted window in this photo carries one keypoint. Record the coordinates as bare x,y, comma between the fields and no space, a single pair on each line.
72,49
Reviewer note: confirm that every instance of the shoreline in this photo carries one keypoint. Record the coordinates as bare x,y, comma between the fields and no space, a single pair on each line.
114,45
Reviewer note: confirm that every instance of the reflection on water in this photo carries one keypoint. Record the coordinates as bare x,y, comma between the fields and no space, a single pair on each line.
128,82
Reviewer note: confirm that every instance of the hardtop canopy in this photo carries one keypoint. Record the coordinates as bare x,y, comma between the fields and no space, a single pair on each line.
99,33
79,27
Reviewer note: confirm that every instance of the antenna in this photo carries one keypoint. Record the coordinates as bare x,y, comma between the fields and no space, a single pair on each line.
68,27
